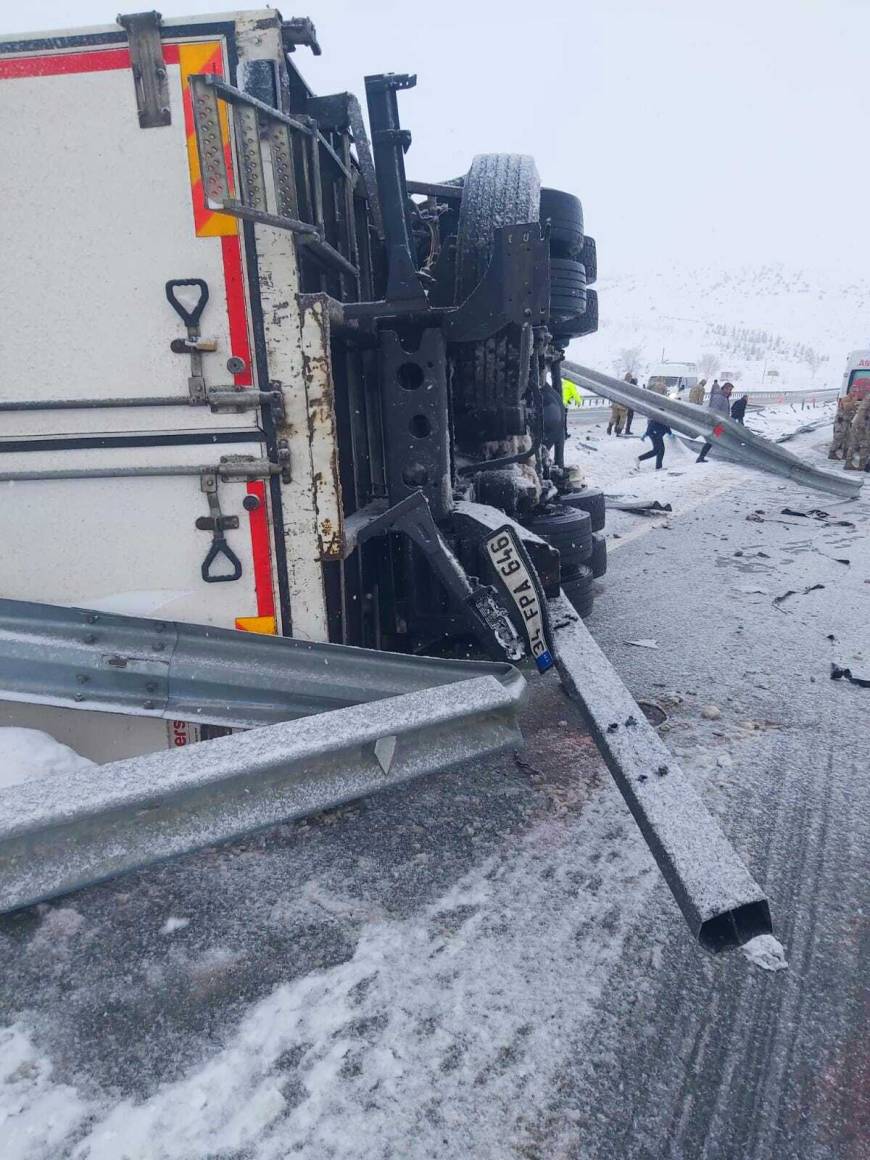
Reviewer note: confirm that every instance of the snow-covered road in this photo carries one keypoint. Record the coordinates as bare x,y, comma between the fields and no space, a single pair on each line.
487,963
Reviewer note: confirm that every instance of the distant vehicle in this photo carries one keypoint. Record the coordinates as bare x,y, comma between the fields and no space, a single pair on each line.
856,376
674,377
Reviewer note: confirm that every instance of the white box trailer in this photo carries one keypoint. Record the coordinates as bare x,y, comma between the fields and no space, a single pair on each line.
101,211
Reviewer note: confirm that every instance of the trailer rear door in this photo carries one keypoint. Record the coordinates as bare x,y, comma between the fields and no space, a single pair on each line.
99,214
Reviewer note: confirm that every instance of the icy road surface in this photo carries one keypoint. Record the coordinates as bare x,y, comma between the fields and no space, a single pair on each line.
487,964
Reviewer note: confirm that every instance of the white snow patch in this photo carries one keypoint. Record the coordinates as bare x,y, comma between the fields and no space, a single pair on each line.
766,952
173,924
36,1115
30,754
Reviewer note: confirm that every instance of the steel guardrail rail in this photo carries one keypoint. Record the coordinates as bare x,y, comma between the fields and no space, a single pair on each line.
700,421
58,834
78,658
721,902
601,403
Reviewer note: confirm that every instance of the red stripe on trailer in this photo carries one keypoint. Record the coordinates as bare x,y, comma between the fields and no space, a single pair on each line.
64,63
260,550
236,308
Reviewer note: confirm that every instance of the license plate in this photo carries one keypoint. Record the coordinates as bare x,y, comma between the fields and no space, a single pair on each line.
518,582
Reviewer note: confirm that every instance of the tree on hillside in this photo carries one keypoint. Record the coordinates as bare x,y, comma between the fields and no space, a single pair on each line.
708,365
628,360
813,360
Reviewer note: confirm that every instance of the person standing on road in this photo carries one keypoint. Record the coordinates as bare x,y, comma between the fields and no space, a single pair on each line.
738,409
656,432
617,419
720,402
696,394
629,378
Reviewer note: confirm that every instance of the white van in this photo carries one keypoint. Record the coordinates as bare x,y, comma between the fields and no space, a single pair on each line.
856,377
675,377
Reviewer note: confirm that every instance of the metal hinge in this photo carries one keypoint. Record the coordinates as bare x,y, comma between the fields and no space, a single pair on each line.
149,68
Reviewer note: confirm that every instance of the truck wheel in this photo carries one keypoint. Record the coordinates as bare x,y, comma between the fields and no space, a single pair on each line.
500,189
591,500
598,560
586,323
567,529
565,215
567,288
579,591
589,258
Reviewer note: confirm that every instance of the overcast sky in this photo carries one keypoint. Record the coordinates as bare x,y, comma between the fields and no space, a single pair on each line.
695,131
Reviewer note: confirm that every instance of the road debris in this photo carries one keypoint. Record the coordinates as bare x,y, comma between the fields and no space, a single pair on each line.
711,712
640,507
645,643
817,514
839,673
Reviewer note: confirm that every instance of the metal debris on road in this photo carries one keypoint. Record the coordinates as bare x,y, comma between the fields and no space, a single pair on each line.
844,674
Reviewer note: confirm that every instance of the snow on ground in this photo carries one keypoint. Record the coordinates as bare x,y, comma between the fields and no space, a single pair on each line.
755,320
36,1115
28,754
346,1062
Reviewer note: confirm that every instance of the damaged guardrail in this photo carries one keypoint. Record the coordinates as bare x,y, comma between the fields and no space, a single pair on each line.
78,658
698,421
59,834
719,898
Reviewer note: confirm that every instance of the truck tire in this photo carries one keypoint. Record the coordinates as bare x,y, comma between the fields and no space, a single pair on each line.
567,288
565,214
598,559
586,323
589,258
500,189
568,530
579,591
591,500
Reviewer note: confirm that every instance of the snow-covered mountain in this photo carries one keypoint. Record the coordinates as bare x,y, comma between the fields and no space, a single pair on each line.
768,327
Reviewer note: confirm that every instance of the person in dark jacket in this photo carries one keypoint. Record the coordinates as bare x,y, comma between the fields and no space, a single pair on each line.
738,408
720,402
656,432
629,378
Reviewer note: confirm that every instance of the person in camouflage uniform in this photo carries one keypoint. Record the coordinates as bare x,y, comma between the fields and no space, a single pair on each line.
858,442
842,422
696,394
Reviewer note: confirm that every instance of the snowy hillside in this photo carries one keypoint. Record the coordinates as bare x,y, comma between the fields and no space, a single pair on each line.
767,326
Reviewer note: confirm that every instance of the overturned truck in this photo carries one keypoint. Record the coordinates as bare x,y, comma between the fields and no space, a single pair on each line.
256,379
